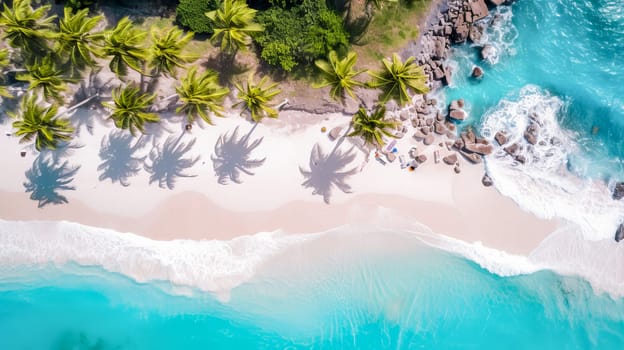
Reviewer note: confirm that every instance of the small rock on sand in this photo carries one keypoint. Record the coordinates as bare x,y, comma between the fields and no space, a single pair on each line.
619,233
421,158
457,169
429,139
450,159
487,180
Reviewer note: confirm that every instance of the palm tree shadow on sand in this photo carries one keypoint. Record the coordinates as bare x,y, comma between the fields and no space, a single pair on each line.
47,177
117,154
166,163
89,98
327,171
232,154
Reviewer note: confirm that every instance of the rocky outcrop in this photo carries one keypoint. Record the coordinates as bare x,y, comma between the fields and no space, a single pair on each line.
618,191
456,21
531,133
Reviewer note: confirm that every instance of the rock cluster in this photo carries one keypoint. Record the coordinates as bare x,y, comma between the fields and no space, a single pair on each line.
472,147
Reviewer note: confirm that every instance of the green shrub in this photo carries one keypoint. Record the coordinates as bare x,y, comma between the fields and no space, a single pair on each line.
191,14
299,35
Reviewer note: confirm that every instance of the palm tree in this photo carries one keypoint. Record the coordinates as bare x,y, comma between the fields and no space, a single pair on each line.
40,123
124,44
233,24
201,95
26,28
76,39
256,98
45,77
4,61
397,78
166,51
372,127
339,74
130,109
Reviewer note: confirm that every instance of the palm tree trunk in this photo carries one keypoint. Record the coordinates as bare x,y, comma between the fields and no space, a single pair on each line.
77,105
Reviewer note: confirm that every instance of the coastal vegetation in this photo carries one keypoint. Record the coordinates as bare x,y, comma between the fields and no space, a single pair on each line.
292,39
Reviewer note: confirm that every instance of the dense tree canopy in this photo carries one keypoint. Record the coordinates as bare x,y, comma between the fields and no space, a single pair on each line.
300,34
191,14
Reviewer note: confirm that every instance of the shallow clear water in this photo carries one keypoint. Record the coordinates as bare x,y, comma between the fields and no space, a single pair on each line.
570,49
351,296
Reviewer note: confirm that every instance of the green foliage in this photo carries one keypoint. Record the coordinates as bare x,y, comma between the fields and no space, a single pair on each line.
166,51
372,127
256,98
26,28
131,109
40,123
300,35
191,14
339,74
200,95
76,39
124,44
4,61
233,24
397,78
45,77
78,4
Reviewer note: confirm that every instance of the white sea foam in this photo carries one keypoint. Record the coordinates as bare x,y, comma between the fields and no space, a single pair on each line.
219,266
500,34
214,266
544,185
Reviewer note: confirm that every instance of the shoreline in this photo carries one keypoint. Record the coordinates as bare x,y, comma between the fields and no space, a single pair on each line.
451,204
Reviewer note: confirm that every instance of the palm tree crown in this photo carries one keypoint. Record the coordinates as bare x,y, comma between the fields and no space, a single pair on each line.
256,98
233,25
339,74
130,109
26,28
4,61
41,123
166,51
124,44
76,39
372,127
44,76
200,95
397,78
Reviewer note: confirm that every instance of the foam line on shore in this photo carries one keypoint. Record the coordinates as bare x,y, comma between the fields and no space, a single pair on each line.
219,266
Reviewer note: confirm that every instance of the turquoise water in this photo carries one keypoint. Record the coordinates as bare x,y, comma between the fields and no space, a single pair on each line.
570,49
418,297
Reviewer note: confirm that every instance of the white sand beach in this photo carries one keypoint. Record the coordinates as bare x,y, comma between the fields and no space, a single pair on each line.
273,198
